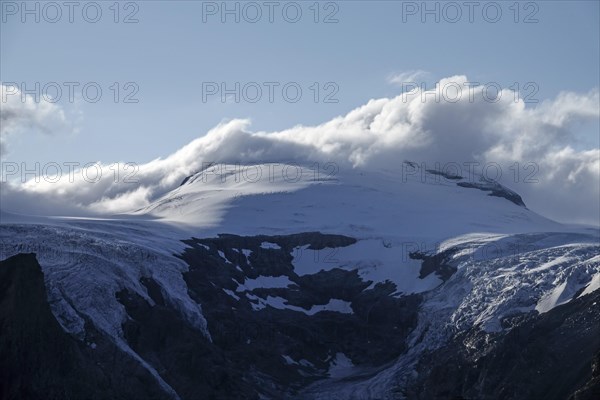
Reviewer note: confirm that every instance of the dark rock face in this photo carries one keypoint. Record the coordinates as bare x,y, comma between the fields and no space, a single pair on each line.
38,360
438,263
591,389
446,175
257,337
474,182
249,338
273,341
495,189
549,356
183,357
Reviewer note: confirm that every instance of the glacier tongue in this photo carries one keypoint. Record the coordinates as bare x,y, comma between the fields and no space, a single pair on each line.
549,270
85,268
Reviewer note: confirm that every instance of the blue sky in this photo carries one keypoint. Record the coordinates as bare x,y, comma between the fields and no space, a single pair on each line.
170,52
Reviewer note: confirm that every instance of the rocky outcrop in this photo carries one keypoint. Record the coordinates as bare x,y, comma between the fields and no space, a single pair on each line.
257,336
544,356
494,189
278,329
255,350
38,360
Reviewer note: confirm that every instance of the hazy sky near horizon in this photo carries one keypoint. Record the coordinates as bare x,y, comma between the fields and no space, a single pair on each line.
161,67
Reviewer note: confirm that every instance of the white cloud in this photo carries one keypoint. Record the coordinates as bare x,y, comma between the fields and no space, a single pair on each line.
383,133
413,76
21,113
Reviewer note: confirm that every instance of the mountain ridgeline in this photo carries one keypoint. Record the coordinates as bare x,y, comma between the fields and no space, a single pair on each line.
366,286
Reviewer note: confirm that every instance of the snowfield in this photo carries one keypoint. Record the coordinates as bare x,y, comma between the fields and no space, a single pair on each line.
508,259
294,198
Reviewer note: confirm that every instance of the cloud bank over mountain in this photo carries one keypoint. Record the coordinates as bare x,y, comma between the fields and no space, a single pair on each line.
534,148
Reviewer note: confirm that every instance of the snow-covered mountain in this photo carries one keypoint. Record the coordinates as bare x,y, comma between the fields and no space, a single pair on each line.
290,198
309,281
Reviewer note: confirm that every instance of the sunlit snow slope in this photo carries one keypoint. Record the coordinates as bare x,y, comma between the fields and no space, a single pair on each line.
268,198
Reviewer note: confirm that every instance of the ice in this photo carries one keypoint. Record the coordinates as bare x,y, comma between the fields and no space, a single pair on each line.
269,245
279,303
341,366
359,203
375,260
593,285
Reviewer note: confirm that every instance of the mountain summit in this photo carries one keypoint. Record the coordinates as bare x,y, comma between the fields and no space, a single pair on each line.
270,281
